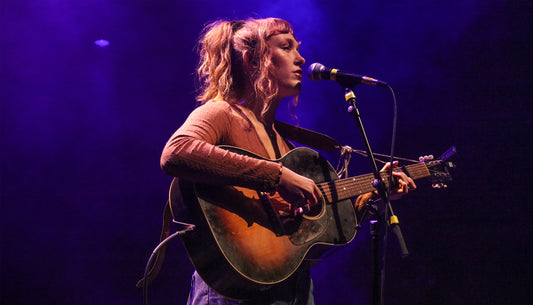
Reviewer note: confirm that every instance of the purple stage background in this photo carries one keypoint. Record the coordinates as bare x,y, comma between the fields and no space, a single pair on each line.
83,127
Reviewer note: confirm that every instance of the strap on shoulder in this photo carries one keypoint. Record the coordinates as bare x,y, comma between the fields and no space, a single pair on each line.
307,137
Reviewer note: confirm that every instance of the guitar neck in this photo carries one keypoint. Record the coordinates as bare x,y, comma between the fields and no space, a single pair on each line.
354,186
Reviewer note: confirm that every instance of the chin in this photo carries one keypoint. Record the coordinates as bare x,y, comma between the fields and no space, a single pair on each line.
293,90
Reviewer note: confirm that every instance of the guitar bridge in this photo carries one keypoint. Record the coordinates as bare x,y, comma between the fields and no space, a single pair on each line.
273,216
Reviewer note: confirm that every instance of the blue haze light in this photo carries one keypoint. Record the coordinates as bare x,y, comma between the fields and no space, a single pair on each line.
101,43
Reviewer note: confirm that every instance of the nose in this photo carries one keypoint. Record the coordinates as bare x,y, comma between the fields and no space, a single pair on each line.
299,61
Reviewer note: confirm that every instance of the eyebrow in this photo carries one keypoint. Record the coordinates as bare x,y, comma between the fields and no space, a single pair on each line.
292,40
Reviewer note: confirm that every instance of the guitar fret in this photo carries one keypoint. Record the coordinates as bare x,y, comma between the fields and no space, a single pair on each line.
354,186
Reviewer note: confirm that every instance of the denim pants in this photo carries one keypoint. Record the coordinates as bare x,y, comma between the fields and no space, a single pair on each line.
297,290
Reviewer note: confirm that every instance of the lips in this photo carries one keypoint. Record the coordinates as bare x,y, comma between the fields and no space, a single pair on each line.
299,73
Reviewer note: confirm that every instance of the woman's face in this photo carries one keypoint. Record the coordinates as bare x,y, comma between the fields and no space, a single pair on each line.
287,63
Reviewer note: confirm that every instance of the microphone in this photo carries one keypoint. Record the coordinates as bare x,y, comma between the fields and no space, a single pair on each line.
317,72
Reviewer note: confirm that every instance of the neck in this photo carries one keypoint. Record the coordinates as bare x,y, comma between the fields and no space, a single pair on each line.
257,108
270,115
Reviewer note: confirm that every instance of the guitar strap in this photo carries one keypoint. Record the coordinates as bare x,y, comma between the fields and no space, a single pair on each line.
307,137
290,132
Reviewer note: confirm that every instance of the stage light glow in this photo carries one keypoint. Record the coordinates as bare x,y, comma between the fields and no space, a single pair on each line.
101,43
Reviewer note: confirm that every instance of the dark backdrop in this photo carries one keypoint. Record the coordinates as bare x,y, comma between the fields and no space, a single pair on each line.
83,127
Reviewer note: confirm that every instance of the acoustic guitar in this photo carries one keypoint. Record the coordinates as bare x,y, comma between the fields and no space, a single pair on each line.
246,241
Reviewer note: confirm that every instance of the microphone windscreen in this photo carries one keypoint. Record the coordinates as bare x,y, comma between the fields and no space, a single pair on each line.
314,71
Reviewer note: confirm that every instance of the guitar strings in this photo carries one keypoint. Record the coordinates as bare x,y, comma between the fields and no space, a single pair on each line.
354,186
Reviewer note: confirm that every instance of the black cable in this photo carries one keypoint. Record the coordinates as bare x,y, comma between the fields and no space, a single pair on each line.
189,228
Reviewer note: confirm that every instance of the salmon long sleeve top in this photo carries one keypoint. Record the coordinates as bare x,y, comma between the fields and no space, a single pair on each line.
192,153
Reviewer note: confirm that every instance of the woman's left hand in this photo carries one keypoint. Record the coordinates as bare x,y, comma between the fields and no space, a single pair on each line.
405,183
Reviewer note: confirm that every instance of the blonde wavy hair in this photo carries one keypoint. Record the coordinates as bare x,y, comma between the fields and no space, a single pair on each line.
221,71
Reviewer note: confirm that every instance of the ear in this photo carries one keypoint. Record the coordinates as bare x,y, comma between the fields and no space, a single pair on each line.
249,62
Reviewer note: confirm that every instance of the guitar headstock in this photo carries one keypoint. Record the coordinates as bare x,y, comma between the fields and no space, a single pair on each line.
439,169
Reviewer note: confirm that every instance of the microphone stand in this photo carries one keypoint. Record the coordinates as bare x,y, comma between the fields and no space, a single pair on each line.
379,221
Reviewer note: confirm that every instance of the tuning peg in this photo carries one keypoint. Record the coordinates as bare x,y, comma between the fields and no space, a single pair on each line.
425,158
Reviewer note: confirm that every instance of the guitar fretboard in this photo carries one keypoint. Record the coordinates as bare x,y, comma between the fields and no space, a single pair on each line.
354,186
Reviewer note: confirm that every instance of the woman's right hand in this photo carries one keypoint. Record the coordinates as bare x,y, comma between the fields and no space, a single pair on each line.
297,189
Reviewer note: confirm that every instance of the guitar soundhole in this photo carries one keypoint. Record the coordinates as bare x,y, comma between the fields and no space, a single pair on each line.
316,210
